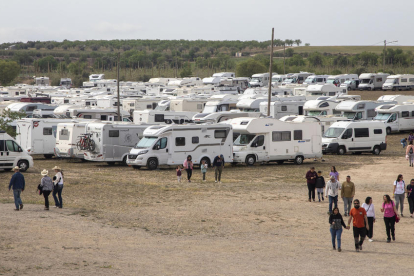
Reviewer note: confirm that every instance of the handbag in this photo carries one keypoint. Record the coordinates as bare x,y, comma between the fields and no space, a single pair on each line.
40,189
397,219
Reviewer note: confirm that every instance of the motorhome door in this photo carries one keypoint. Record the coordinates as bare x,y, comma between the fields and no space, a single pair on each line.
161,150
393,122
259,148
6,161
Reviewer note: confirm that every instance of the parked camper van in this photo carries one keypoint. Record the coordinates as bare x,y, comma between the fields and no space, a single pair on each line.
360,110
103,114
283,106
278,79
356,137
112,140
350,84
268,140
337,80
318,90
28,108
222,102
370,81
320,107
38,136
398,99
162,117
325,121
68,137
170,145
316,79
399,82
397,117
297,78
217,117
259,80
11,154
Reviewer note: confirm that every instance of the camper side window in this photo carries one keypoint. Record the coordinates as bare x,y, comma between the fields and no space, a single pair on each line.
258,142
159,118
297,135
378,131
283,108
161,144
361,132
1,145
64,134
47,131
195,140
220,134
114,133
180,141
347,134
278,136
405,114
12,146
87,116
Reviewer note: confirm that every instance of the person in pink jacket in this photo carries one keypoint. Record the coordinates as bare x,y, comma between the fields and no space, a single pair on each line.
188,166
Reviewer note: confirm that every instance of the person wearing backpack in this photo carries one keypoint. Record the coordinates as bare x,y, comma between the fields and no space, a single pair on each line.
409,154
331,190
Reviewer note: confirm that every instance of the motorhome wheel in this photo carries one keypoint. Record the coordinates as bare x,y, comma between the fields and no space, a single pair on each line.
152,164
250,160
369,88
376,150
124,161
23,165
388,130
299,160
341,151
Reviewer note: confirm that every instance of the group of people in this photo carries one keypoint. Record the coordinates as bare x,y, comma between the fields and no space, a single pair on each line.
47,186
218,164
362,217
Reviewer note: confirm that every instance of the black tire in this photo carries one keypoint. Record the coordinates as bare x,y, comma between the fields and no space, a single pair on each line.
393,89
280,162
48,156
110,163
388,130
250,160
207,160
124,161
152,164
376,150
299,160
136,167
369,88
23,165
91,145
341,150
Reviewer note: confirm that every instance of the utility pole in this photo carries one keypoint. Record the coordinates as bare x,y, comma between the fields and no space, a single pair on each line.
269,92
383,56
117,83
284,56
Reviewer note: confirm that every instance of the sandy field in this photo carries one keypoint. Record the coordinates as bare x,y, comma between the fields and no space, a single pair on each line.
120,221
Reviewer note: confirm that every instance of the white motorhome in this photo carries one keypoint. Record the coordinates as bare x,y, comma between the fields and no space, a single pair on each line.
170,145
188,104
222,102
316,79
251,104
225,74
112,141
337,80
162,117
398,99
358,110
28,108
96,77
350,84
282,106
217,117
38,136
132,104
356,137
278,79
325,121
42,81
186,82
320,107
12,155
397,117
372,81
103,114
297,78
239,83
259,80
267,140
319,90
399,82
68,137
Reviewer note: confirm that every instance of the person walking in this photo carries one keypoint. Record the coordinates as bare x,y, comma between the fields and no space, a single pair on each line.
369,208
203,169
390,215
218,164
17,183
347,194
410,196
178,171
320,185
58,187
409,154
411,137
399,193
47,186
360,224
334,173
336,222
188,166
331,190
403,142
311,181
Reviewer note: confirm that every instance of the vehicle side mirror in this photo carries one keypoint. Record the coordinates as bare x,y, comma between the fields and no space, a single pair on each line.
344,136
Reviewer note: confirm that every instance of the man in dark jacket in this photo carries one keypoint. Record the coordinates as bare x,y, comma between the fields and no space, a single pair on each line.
218,163
18,184
311,180
320,185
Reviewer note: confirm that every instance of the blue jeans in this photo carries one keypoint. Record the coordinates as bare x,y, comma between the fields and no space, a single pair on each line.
336,233
17,199
58,190
332,199
404,144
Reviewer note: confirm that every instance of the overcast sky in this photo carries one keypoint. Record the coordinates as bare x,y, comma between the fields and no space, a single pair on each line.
318,22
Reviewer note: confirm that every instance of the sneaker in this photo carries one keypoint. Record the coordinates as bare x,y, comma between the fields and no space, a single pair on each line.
16,209
388,240
55,206
323,160
323,199
393,238
21,206
215,181
370,240
401,214
334,248
47,209
357,249
319,200
309,200
339,249
360,247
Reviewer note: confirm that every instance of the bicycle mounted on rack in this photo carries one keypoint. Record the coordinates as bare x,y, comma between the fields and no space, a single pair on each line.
86,142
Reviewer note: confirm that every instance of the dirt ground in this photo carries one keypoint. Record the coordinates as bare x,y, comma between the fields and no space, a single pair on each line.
120,221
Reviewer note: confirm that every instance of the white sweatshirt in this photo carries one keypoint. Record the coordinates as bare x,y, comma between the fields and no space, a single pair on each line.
369,209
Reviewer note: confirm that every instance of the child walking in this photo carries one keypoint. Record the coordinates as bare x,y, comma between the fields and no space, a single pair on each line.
204,169
320,185
178,170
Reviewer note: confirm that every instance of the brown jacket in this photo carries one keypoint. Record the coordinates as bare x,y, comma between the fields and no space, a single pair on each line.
348,189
